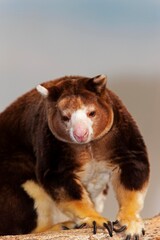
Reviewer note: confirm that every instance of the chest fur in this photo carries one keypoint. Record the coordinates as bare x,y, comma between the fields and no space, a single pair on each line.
94,175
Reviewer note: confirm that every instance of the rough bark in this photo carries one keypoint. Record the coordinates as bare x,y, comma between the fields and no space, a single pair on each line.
152,227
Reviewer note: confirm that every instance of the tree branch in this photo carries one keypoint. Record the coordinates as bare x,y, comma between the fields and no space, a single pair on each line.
152,227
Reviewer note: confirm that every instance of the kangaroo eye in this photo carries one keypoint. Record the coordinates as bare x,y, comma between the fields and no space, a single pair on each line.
92,113
65,118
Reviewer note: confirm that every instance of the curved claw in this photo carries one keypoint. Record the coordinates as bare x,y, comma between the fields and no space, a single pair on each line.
65,228
94,227
128,237
136,237
109,227
115,222
119,230
143,232
80,226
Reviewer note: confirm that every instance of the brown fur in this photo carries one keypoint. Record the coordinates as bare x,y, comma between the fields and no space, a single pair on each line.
35,145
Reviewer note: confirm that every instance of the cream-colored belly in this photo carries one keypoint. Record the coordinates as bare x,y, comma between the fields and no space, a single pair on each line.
48,213
95,178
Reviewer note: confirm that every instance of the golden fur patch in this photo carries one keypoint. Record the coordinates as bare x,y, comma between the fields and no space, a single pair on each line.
47,212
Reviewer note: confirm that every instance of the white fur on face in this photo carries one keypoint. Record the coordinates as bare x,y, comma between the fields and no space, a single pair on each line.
80,118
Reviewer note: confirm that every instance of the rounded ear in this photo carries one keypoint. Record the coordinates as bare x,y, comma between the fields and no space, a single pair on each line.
97,84
43,91
55,92
52,93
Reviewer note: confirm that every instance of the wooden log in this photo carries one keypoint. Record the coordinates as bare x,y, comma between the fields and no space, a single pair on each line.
152,227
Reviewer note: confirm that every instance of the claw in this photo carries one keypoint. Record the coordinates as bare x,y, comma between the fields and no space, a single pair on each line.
128,237
143,232
94,227
109,227
65,228
115,222
121,229
136,237
80,226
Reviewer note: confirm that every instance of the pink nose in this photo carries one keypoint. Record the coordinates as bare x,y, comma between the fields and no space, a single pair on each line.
80,133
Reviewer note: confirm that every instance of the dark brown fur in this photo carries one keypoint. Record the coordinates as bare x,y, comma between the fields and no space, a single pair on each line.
29,150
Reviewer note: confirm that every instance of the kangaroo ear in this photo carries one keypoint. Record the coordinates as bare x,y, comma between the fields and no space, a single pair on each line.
97,84
43,91
52,93
55,92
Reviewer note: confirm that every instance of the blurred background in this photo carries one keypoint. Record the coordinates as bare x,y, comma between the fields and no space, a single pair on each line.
44,39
